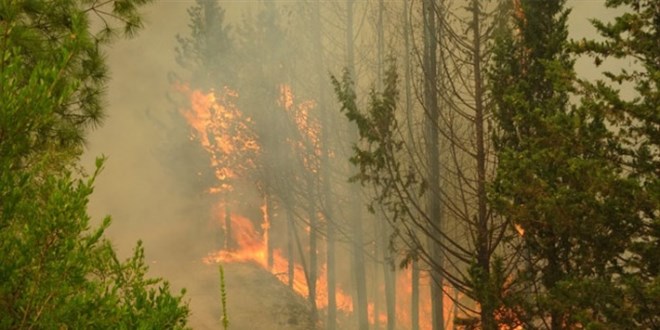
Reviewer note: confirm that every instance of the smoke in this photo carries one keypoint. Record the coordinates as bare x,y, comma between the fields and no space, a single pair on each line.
142,191
135,188
148,191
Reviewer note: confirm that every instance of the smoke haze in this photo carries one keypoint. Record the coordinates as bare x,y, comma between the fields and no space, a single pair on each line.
143,188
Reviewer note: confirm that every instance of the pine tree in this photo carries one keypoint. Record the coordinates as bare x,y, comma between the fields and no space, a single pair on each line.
208,53
36,31
557,180
634,36
55,271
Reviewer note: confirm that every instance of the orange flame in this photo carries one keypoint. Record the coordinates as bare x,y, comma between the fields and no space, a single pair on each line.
223,132
227,136
252,248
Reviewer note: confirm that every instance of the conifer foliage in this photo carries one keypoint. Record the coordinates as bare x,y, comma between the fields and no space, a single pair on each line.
55,270
565,175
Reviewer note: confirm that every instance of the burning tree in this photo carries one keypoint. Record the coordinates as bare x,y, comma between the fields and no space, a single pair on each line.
227,136
271,145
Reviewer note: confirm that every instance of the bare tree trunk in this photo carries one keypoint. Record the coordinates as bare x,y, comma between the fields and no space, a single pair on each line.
358,235
414,280
383,229
269,217
361,283
375,279
331,323
313,231
415,295
433,161
389,277
379,224
289,245
483,246
331,268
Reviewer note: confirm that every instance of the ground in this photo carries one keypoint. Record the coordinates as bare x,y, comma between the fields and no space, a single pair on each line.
256,300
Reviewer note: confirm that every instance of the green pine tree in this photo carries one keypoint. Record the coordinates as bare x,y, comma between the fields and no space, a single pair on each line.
56,272
558,180
634,36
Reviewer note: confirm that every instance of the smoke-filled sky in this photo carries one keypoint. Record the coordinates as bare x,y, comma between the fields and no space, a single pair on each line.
136,188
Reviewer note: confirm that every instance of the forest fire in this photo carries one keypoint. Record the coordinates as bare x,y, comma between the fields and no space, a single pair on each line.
252,248
227,136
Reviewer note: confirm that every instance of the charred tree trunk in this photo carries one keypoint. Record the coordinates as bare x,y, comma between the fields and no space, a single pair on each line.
433,159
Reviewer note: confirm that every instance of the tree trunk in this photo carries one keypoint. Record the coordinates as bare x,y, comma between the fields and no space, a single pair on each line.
414,280
389,277
289,245
433,160
269,240
358,264
379,224
483,246
375,279
358,236
331,323
313,231
331,266
415,295
383,229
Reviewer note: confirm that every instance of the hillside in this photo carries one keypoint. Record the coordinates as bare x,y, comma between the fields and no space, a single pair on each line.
256,300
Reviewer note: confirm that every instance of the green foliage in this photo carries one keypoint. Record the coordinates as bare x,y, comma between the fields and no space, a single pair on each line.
40,32
565,177
633,36
381,157
486,288
376,155
56,271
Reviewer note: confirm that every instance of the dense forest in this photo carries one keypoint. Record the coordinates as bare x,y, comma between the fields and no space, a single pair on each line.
431,164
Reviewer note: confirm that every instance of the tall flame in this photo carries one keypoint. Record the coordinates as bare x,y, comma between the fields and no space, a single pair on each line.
223,132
